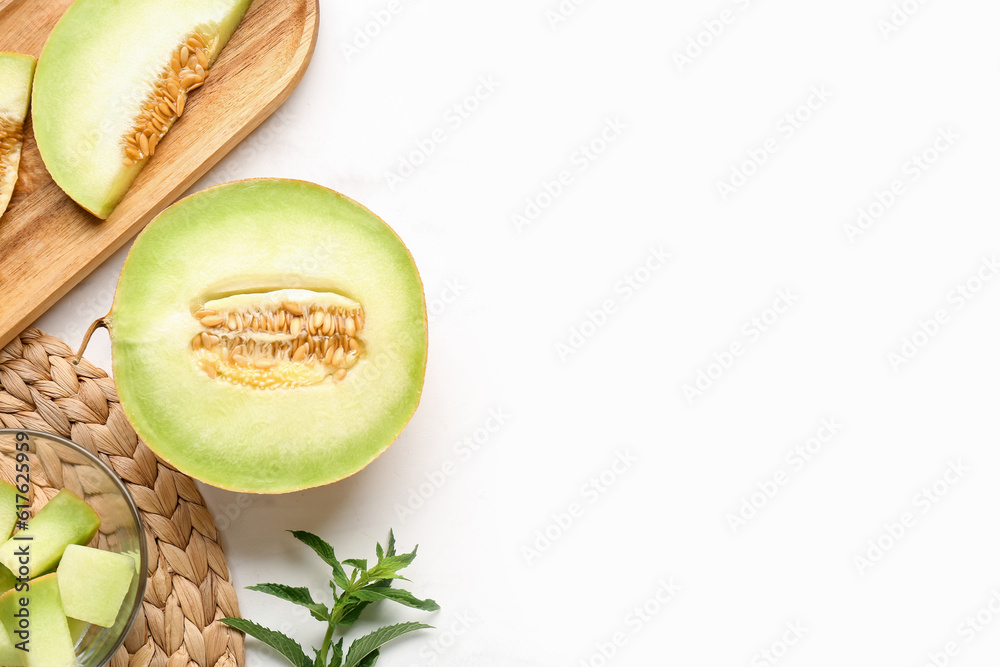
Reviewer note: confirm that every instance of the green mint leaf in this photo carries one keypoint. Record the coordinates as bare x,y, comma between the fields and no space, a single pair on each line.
390,549
371,594
353,613
324,551
369,659
378,551
299,596
364,646
338,654
283,644
359,563
389,566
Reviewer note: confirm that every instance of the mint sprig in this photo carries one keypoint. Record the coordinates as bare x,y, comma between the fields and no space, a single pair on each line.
351,596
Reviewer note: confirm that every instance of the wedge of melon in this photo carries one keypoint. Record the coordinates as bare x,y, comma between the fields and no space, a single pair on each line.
35,621
16,71
64,520
93,583
112,79
7,581
9,656
268,336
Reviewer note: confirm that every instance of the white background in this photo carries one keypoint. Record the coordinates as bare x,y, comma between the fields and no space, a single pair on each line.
532,561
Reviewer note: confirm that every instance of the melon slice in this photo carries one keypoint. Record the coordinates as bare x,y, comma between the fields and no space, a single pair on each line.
16,70
93,583
112,79
9,656
64,520
35,621
8,509
268,336
7,581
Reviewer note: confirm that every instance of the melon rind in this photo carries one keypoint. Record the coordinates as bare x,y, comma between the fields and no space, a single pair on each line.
99,66
264,235
16,72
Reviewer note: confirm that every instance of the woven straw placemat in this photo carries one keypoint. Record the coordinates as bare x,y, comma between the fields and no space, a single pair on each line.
188,587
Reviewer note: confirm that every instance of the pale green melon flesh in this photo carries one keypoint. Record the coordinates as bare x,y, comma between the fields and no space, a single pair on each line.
7,580
93,583
16,71
48,637
64,520
263,236
99,67
9,656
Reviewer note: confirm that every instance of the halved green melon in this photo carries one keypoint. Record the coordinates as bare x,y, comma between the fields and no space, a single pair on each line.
268,336
16,70
112,79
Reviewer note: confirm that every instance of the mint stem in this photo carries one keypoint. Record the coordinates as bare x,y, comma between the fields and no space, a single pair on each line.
327,640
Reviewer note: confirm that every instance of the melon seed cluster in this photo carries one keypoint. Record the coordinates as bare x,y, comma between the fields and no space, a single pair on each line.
187,71
293,345
11,134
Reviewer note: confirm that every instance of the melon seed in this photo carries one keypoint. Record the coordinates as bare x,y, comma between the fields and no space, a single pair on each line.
289,345
187,71
11,134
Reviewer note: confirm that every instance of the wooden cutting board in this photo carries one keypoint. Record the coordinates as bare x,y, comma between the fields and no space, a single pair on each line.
47,242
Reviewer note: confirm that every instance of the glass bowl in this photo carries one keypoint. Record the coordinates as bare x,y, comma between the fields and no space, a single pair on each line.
55,463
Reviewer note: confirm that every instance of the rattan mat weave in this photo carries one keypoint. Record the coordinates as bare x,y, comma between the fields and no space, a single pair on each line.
188,587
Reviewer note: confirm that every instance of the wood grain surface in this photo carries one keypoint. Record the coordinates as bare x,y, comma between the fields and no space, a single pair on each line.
48,243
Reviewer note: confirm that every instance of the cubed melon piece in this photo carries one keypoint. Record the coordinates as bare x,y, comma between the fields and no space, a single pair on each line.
8,509
77,629
7,580
64,520
93,583
9,656
36,624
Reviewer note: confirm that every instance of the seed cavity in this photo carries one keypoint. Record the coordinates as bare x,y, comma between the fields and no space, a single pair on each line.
279,339
186,72
11,135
